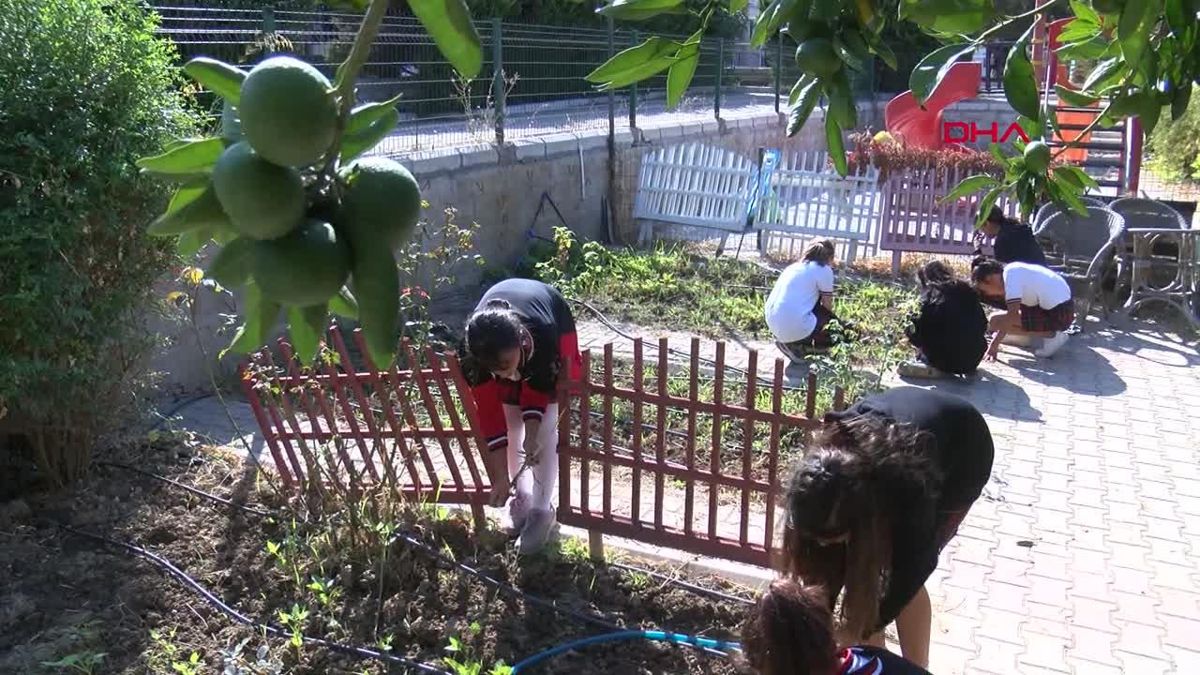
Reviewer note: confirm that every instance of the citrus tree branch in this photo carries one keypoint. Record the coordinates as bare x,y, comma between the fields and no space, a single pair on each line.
1078,140
347,74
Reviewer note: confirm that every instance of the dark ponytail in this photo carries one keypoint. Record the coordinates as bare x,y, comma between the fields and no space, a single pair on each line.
492,331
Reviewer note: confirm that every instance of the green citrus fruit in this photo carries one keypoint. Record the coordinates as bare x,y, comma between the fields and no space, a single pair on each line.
816,57
289,114
1037,157
307,267
381,202
263,200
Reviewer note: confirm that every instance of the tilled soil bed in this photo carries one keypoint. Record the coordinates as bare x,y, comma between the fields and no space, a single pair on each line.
341,575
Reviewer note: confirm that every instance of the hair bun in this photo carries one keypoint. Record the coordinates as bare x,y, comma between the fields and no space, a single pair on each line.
498,303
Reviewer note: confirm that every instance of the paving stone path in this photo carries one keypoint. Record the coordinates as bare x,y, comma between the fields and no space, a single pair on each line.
1084,555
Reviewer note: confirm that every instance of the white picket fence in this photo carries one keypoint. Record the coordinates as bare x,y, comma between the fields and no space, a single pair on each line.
806,198
695,186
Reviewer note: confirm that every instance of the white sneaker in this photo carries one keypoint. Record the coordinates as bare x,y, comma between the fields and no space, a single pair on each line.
518,512
1052,344
539,526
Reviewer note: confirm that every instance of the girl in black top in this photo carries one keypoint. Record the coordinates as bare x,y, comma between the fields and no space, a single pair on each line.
950,330
880,492
520,342
1013,241
790,632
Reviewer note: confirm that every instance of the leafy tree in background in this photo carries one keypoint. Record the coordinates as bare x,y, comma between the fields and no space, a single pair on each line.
1175,145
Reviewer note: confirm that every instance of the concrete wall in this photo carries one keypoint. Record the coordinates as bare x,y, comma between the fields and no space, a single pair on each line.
501,189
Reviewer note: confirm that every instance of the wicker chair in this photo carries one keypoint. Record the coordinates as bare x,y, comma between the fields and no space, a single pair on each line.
1050,208
1082,248
1147,213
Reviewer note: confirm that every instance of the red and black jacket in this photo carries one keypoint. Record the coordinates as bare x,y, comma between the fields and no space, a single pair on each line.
548,319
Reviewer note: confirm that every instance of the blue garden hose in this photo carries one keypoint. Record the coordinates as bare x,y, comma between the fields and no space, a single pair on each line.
656,635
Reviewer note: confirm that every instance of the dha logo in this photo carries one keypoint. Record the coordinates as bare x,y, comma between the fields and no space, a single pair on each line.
969,132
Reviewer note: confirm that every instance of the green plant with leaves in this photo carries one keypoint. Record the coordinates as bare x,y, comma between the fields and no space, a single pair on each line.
165,657
1175,145
463,661
1147,60
79,662
294,621
76,273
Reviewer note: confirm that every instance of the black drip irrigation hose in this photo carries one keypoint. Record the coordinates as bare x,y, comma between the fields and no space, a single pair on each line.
671,350
212,599
163,417
408,540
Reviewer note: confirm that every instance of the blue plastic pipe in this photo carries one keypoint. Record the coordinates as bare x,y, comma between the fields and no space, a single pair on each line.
655,635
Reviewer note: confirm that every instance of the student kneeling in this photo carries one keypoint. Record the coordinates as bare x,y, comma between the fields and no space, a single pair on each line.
1038,300
950,331
799,309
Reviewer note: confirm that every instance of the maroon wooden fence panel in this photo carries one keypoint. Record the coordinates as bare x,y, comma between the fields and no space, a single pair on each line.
412,427
672,457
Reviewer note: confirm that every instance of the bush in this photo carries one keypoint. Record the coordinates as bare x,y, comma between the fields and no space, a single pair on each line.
889,156
1175,145
87,89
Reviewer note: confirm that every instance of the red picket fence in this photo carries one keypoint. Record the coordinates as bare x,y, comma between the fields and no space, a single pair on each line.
652,451
695,465
412,427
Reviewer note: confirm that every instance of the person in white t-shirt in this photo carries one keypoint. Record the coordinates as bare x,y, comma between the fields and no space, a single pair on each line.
800,306
1038,299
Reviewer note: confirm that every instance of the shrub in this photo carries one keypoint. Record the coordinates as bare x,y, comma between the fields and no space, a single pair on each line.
1175,145
889,156
87,89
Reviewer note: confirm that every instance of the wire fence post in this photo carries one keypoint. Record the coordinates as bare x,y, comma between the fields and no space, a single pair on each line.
612,96
498,83
778,68
268,14
633,94
720,69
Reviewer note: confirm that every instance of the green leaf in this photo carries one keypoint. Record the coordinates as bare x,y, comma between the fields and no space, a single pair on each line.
1177,17
769,21
1076,176
736,6
682,71
343,304
190,242
639,10
837,148
841,102
1020,84
1079,28
1032,128
1066,193
852,49
969,186
882,50
1091,49
1083,11
986,203
949,17
1180,101
202,212
635,64
1074,98
362,140
363,116
218,77
1133,30
258,320
231,265
306,326
802,100
448,22
197,156
933,68
1150,111
1105,72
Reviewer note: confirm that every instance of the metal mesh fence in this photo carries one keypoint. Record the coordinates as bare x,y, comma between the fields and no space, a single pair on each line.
538,90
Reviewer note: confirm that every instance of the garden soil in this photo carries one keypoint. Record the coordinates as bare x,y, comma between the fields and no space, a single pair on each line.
63,595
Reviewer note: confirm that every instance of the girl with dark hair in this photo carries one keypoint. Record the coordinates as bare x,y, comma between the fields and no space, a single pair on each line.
949,331
520,342
1037,299
881,490
790,632
1011,240
799,308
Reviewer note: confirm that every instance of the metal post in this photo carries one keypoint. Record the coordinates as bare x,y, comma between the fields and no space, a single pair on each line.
720,68
778,68
612,96
633,93
268,20
498,83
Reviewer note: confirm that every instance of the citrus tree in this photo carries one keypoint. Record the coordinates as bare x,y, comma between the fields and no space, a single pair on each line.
307,226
